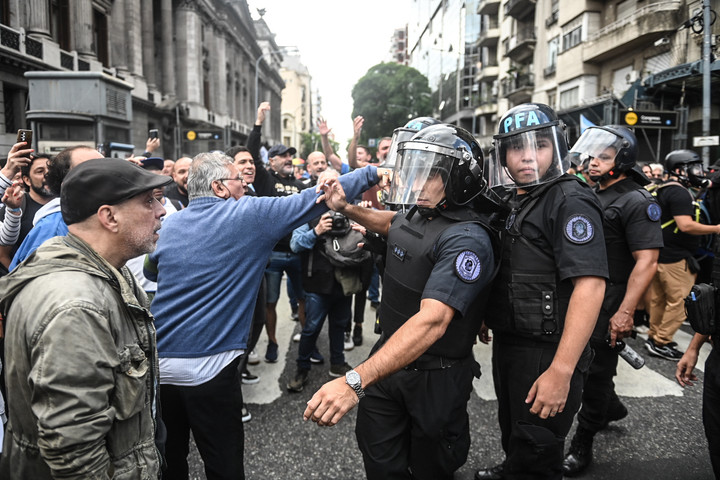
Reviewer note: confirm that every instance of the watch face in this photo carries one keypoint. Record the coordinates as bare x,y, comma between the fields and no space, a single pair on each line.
352,377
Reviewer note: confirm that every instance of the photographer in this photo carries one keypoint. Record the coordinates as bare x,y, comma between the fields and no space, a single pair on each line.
331,272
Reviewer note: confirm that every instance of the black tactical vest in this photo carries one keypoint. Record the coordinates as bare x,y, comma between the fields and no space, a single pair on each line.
527,299
410,260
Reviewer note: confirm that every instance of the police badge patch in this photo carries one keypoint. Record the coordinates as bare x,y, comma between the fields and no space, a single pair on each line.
654,211
467,266
579,229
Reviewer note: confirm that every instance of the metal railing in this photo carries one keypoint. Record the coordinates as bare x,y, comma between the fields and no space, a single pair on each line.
641,12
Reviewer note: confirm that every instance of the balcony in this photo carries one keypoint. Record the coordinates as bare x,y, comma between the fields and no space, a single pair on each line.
518,89
519,9
522,45
488,7
489,37
487,73
643,27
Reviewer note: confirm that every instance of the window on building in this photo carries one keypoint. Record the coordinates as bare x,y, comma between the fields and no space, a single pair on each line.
100,37
552,99
553,46
5,12
572,38
60,22
624,9
570,98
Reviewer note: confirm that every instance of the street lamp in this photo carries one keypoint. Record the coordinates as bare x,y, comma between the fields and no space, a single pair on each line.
257,66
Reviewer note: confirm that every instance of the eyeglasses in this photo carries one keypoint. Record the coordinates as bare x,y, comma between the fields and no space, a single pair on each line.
239,179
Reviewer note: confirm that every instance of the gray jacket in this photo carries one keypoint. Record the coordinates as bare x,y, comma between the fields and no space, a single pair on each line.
81,368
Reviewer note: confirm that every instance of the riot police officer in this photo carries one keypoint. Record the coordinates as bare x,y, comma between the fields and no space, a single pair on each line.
546,298
633,239
414,388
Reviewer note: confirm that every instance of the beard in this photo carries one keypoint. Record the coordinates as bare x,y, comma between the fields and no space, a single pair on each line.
43,191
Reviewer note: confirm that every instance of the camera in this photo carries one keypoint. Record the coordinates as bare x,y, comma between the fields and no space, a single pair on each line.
340,225
153,133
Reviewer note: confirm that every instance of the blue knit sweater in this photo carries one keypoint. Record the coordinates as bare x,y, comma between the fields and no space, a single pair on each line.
210,259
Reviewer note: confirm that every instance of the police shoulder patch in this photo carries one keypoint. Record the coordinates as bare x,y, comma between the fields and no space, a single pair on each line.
579,229
654,211
467,266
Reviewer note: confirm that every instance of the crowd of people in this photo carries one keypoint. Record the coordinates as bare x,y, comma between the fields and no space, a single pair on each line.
122,334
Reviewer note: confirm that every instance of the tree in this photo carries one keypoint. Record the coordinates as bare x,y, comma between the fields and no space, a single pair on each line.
389,95
310,142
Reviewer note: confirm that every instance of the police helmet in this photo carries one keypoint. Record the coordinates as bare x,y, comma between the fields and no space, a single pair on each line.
680,158
689,163
442,151
405,133
531,147
611,142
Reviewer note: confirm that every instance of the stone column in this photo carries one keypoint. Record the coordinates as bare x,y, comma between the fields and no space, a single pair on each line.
133,36
81,18
168,49
118,53
148,43
219,59
38,18
188,50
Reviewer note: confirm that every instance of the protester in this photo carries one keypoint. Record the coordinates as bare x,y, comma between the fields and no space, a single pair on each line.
80,342
203,318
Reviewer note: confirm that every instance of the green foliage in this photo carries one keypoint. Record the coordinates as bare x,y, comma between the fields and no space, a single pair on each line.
389,95
310,142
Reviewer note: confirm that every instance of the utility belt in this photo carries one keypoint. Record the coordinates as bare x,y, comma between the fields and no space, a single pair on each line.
433,362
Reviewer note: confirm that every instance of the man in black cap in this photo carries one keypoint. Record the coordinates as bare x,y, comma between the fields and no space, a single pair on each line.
278,181
80,340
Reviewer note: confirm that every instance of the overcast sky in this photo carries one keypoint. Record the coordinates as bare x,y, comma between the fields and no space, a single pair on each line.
338,41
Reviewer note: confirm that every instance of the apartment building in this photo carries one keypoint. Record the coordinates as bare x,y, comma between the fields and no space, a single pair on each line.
593,60
192,69
297,110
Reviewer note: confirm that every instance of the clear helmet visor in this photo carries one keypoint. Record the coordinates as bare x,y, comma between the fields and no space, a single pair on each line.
595,143
527,158
420,174
399,136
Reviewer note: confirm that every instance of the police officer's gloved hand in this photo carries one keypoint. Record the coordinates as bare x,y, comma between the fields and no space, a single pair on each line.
375,243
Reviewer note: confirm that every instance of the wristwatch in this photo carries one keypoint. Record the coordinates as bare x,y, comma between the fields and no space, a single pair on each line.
352,378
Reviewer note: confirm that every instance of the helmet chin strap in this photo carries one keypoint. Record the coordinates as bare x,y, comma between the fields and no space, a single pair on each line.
613,173
431,212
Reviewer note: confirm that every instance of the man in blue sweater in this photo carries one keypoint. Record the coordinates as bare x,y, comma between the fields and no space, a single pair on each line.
203,314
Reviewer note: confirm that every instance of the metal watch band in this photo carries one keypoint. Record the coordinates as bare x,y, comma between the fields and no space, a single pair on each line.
358,390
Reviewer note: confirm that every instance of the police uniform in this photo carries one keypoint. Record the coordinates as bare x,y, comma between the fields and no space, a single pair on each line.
417,418
631,222
552,235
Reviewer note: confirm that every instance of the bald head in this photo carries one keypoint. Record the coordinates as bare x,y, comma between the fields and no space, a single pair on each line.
316,164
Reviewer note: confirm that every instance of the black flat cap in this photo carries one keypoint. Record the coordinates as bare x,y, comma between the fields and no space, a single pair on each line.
280,149
103,181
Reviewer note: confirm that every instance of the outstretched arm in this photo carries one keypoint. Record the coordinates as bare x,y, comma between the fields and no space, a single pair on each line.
336,398
334,160
352,149
377,221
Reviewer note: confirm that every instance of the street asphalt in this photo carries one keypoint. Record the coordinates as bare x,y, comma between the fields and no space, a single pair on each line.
661,439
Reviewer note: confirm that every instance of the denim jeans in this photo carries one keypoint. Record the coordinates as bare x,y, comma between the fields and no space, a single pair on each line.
338,309
283,262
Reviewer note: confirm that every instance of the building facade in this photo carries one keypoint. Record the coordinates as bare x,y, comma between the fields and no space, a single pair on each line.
195,69
297,105
590,60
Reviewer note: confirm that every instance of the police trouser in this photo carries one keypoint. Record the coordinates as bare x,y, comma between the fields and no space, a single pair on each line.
711,408
534,447
599,392
414,424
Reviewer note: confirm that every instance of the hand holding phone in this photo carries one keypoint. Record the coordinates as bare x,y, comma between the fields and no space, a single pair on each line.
25,136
